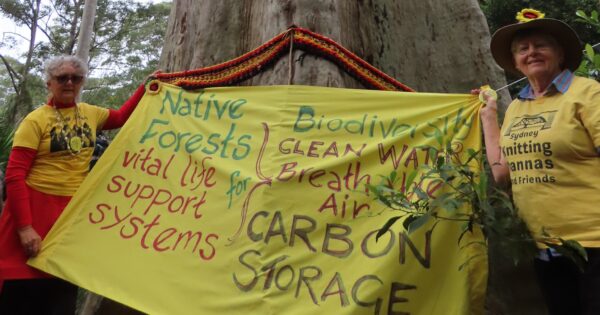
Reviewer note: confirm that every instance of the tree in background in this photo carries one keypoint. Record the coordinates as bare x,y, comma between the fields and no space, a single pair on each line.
126,46
421,43
124,57
29,13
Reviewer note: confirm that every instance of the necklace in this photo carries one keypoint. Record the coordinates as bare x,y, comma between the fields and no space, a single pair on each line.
73,141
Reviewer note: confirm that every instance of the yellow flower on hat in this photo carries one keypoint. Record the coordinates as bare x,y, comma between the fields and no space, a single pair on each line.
527,15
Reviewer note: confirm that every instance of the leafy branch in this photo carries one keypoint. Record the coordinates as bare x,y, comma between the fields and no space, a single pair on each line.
464,196
590,65
12,73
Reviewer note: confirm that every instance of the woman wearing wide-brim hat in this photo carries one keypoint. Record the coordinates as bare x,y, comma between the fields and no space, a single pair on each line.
548,148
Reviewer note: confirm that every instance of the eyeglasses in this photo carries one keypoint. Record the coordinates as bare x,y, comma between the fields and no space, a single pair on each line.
65,78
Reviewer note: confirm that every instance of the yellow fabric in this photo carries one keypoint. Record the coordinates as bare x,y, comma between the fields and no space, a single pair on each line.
55,170
252,200
550,144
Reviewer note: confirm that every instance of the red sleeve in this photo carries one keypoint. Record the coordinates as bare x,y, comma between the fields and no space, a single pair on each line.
17,203
117,118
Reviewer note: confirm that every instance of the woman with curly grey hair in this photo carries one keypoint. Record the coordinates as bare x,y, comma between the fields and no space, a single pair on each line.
50,157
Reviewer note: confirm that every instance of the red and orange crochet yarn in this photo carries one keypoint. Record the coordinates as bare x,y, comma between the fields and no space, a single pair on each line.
251,63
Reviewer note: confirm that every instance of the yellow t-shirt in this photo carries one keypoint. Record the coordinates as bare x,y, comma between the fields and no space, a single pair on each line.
56,170
550,146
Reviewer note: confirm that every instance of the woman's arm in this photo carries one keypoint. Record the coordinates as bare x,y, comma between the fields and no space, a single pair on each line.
117,118
491,137
19,164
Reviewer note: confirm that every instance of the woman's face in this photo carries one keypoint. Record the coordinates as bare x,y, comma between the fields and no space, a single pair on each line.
65,84
537,56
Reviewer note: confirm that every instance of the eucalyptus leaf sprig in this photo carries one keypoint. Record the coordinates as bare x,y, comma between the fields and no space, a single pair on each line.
465,195
590,64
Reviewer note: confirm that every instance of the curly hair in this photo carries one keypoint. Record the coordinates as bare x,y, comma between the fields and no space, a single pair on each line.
54,64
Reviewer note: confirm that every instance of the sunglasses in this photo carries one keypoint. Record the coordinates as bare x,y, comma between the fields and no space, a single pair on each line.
64,78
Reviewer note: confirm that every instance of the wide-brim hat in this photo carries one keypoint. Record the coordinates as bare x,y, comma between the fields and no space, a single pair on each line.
563,33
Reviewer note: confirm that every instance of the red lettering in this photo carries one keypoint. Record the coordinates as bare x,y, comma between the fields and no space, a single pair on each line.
213,250
161,238
313,147
281,149
287,168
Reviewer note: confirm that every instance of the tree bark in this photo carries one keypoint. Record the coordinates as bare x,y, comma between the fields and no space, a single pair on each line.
430,45
87,11
84,41
23,103
35,13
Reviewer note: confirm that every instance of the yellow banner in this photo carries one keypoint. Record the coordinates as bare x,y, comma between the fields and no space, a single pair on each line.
253,200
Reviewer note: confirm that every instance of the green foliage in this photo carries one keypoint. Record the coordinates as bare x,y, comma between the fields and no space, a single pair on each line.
28,13
465,196
13,8
113,91
6,137
572,250
590,65
139,38
131,54
21,11
34,91
6,84
127,34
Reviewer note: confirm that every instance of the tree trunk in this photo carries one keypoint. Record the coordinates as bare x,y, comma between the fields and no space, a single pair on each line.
429,45
433,46
23,103
91,301
84,41
70,46
35,13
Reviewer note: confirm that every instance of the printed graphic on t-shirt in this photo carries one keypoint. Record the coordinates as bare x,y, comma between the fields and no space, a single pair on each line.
61,132
529,157
529,125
